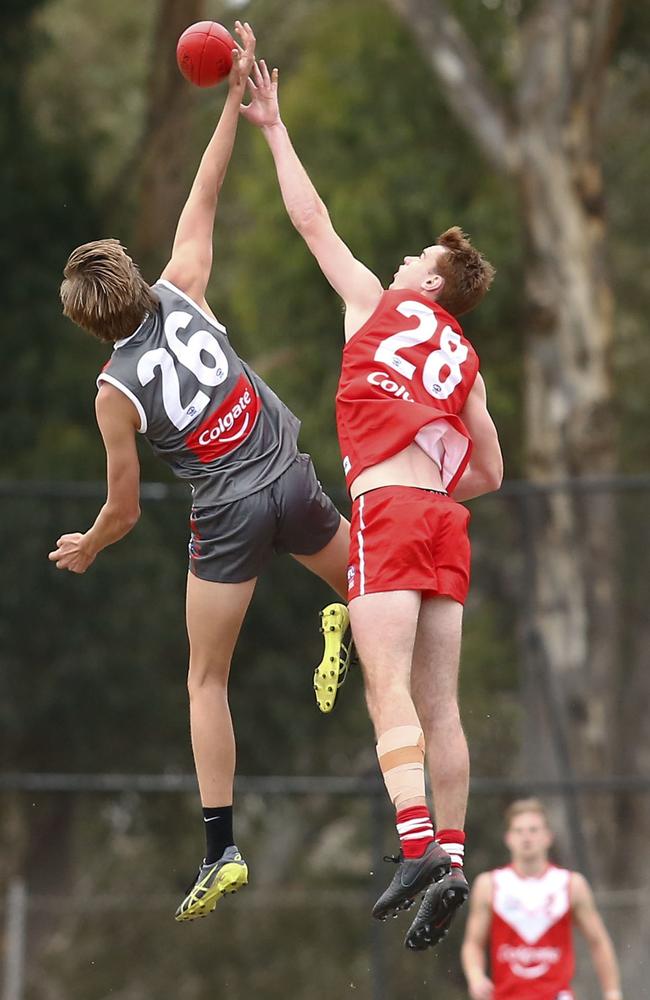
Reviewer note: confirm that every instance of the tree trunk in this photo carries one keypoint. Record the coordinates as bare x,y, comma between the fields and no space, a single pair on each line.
569,409
166,141
547,140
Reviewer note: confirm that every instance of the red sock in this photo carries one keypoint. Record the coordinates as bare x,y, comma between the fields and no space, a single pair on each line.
453,842
415,830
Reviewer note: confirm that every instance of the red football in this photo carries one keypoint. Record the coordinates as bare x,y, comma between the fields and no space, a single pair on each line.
204,53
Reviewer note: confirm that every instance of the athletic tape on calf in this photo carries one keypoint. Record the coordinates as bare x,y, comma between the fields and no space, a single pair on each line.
399,737
401,758
405,784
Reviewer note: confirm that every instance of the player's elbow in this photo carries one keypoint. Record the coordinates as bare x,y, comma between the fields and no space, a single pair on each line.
488,477
132,512
494,477
124,516
599,943
132,516
492,470
310,219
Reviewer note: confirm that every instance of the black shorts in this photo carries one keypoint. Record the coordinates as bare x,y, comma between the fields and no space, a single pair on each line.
232,542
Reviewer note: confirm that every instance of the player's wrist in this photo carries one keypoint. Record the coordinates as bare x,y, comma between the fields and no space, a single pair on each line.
88,545
612,995
272,127
237,79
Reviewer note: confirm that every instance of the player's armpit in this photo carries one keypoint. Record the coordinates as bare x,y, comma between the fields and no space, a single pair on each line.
190,267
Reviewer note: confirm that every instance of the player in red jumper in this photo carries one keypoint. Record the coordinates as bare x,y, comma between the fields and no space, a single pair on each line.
525,914
410,407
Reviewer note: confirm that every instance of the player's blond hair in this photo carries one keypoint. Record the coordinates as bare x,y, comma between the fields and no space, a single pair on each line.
467,273
520,806
104,292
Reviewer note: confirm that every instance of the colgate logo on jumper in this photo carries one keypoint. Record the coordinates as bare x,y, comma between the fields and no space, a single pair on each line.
529,961
388,384
226,428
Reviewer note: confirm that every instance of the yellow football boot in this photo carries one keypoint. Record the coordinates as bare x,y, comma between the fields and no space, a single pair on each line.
228,874
333,668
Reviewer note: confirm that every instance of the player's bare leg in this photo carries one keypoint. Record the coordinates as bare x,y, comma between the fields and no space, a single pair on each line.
434,682
384,627
331,565
215,612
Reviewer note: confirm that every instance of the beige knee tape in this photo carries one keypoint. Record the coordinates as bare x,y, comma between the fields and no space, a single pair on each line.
401,758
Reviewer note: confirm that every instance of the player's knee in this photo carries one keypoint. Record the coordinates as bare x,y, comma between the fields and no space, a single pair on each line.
382,692
442,709
207,674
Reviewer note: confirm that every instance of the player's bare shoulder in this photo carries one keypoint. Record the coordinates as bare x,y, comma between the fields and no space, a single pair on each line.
363,306
580,893
481,894
113,407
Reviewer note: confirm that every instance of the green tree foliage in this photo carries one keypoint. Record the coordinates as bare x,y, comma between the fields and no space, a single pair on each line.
387,165
627,163
45,211
395,170
92,674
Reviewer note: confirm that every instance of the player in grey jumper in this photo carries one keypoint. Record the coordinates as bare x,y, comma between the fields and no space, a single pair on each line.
174,377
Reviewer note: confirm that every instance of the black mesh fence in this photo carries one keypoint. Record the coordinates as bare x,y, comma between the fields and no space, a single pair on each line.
99,819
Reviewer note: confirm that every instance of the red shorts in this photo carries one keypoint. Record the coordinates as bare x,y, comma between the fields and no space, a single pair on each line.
404,538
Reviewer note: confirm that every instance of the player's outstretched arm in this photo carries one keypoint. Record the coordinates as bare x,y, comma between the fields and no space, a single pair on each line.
118,421
474,948
589,921
484,473
359,288
191,260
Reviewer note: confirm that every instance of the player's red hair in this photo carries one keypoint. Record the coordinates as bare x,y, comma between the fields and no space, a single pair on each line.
104,292
467,273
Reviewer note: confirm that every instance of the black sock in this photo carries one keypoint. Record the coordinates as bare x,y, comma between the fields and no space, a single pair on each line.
218,831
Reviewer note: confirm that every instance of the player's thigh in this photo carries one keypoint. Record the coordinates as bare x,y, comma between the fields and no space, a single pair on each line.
331,562
384,628
214,614
309,526
436,653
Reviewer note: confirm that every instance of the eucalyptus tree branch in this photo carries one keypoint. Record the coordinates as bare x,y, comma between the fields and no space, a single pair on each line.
454,59
595,26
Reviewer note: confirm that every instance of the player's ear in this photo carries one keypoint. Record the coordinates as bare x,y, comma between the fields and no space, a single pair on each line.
433,283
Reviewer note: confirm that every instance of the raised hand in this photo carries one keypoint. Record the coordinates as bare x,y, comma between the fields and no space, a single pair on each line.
243,59
263,110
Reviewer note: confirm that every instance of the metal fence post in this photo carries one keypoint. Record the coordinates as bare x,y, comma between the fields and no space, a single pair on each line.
16,939
378,971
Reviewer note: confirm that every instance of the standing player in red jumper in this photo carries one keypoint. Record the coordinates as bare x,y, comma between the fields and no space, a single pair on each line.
525,913
410,408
